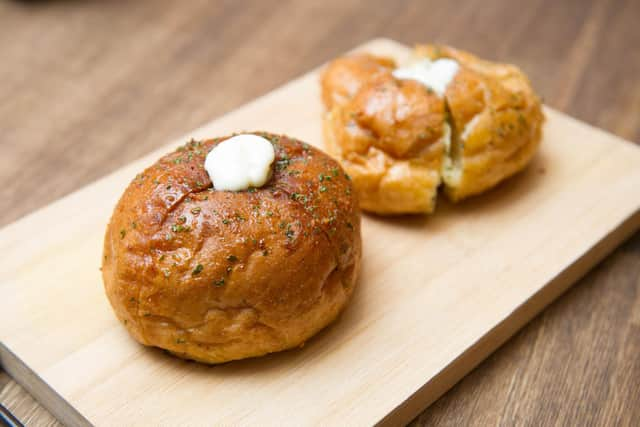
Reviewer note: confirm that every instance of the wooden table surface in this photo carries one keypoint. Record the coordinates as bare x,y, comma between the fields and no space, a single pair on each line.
88,86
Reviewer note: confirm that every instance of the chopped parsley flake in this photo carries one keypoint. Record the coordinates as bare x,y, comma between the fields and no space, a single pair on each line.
197,270
178,228
289,233
298,196
283,163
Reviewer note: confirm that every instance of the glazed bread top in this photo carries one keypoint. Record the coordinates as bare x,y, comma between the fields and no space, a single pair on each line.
176,249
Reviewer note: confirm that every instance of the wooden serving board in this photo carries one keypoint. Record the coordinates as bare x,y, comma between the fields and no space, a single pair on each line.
437,294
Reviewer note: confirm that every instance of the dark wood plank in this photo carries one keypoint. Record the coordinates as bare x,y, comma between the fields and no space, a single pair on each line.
23,406
88,86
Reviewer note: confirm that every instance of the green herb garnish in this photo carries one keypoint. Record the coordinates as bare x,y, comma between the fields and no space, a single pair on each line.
178,228
289,233
298,197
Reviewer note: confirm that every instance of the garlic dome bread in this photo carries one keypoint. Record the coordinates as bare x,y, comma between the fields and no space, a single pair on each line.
220,275
400,139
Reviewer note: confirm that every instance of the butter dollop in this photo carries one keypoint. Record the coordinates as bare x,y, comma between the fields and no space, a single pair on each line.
432,74
240,162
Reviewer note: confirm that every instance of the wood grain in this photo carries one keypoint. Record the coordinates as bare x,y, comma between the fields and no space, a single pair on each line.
88,86
493,263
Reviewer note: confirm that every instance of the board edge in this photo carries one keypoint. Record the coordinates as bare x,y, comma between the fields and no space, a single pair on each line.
500,333
52,401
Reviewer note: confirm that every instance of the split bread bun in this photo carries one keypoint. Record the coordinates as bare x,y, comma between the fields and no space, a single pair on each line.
215,275
401,139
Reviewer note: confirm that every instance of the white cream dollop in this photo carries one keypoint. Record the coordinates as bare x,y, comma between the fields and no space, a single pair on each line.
240,162
432,74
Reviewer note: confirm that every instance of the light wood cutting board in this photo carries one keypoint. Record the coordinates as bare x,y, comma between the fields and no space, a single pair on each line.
436,296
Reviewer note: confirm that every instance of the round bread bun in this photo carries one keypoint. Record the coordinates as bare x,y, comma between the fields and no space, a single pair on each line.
214,275
400,141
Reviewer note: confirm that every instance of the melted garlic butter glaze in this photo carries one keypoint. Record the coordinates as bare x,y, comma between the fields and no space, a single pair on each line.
432,74
240,162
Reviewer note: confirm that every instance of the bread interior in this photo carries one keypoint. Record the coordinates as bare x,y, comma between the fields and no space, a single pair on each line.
452,163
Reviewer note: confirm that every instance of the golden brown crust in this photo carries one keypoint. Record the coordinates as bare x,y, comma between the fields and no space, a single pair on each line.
215,275
388,133
344,76
496,120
